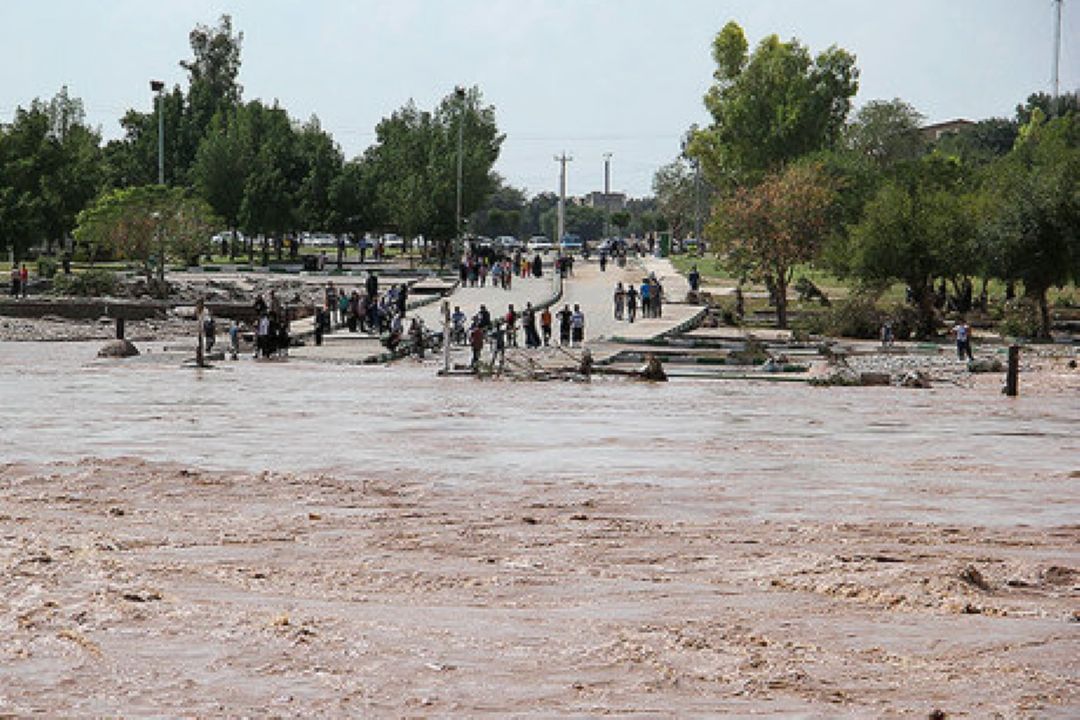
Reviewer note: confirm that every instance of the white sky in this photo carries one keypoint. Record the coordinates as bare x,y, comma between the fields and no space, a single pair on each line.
584,76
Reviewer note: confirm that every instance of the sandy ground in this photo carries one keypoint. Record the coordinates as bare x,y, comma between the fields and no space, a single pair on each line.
133,589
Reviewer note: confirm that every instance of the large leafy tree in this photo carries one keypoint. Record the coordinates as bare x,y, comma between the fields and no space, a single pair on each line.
886,132
1032,216
920,225
765,230
414,165
140,223
771,106
50,166
676,194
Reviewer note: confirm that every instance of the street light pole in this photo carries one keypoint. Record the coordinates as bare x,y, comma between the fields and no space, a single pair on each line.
158,86
607,194
460,93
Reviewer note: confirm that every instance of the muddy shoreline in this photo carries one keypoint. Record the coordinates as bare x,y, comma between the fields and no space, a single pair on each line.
140,589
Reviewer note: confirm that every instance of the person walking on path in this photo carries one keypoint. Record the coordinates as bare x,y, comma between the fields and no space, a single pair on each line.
620,301
565,318
963,339
694,278
577,327
24,279
631,302
656,298
371,285
16,281
645,304
545,326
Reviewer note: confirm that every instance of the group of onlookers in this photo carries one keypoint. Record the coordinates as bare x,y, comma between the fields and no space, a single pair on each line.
475,269
504,332
629,299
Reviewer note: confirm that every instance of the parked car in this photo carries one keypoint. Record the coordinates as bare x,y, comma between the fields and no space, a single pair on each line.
539,243
318,239
507,243
571,243
390,240
611,245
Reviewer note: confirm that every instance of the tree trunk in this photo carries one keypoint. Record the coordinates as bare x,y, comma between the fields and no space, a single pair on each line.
1044,312
924,296
781,302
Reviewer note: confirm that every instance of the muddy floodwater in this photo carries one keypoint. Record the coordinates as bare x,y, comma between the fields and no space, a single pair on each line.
292,538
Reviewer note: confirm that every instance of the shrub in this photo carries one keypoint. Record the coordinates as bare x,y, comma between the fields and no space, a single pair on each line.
1020,319
47,266
91,283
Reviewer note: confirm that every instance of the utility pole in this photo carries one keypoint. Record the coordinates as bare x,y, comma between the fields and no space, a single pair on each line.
697,201
607,194
1054,76
562,160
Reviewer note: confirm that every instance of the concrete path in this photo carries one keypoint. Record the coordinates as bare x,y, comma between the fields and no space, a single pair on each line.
590,288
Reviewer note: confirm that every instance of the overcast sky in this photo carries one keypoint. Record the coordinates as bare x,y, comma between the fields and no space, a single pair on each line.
584,76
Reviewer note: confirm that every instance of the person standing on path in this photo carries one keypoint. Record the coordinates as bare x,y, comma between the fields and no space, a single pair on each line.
631,302
656,298
620,301
16,282
528,321
577,327
24,279
565,318
371,285
545,325
511,325
963,339
476,343
645,305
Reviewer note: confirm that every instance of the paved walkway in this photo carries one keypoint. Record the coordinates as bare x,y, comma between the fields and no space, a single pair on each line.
590,288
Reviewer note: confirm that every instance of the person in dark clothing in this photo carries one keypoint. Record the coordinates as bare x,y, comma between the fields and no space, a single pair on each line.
565,318
371,285
528,320
538,266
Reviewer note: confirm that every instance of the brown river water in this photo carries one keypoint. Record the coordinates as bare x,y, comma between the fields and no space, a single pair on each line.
294,539
781,450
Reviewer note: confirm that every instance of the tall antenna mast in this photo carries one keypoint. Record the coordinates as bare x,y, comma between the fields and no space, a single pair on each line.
1054,77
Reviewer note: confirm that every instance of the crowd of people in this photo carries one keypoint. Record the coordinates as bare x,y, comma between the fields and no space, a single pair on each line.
368,311
536,329
476,268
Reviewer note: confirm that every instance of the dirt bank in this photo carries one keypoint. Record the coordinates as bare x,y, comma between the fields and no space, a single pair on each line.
138,589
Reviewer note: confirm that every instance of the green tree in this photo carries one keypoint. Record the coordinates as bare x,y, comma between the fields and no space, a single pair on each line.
886,132
676,194
221,168
137,224
414,162
50,165
1032,217
920,225
770,107
765,230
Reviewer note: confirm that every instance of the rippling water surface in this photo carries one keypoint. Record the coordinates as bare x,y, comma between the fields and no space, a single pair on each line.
778,450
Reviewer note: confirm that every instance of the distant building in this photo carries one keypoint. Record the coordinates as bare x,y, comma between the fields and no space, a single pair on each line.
939,130
613,202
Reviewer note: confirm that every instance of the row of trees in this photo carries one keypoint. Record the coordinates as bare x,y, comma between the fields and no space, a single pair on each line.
259,170
792,179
